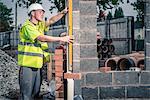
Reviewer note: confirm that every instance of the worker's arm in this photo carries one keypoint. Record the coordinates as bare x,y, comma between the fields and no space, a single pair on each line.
45,38
56,17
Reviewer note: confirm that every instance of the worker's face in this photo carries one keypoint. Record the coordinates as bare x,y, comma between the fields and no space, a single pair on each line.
39,14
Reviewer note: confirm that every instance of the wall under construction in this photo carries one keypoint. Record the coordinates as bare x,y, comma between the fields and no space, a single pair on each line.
96,85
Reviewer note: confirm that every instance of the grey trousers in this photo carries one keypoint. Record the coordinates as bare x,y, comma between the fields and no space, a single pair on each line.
29,81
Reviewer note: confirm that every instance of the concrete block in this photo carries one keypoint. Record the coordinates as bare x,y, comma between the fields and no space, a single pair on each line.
98,79
138,92
77,87
147,48
147,22
147,8
123,78
76,52
88,36
88,7
76,34
90,93
75,5
145,77
83,81
88,22
76,66
112,92
88,65
76,20
88,51
147,38
147,63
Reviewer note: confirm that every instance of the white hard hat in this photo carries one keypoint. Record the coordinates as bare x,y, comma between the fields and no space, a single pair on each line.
35,6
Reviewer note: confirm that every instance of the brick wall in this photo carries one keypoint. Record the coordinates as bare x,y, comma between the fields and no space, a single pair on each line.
58,57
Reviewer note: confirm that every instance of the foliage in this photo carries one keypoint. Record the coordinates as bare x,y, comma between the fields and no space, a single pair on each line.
109,16
5,18
57,4
108,4
26,3
119,13
139,7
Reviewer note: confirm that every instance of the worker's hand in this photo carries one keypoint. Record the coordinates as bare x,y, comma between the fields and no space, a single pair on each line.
67,39
65,11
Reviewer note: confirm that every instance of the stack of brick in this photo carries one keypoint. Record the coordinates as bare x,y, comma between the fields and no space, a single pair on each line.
58,57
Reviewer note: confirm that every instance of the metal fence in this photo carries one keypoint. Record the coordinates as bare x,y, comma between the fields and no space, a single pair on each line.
9,39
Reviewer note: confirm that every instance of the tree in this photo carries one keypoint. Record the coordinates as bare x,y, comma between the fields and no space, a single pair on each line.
26,3
109,16
5,18
108,4
58,4
139,7
119,13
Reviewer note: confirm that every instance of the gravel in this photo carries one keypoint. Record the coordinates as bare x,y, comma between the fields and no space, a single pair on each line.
9,71
9,86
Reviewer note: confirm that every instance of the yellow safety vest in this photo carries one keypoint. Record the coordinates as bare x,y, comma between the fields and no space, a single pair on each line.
31,52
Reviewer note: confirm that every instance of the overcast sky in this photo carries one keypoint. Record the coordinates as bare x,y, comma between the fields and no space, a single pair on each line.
22,13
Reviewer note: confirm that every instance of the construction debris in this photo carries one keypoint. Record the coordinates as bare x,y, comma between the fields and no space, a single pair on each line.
9,83
9,86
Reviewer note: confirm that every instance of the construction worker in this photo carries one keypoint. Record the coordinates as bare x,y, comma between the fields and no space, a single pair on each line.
32,49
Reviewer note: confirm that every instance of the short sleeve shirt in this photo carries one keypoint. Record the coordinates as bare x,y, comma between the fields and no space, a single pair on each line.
29,32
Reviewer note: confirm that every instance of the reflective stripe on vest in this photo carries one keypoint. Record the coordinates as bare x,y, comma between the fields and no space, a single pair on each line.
30,44
30,54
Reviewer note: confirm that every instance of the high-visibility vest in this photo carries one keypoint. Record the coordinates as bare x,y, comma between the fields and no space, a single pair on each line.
31,52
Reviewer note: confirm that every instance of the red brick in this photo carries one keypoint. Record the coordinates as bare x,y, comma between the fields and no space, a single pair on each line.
72,75
59,74
59,87
59,51
59,94
58,57
59,63
58,68
58,80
